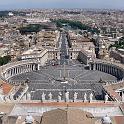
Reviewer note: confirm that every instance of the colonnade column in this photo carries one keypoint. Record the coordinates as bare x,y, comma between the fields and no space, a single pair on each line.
94,66
89,66
38,67
21,69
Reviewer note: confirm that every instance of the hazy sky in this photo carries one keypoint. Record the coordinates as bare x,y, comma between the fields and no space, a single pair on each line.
12,4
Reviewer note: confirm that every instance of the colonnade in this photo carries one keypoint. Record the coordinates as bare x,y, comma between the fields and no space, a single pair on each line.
18,69
108,68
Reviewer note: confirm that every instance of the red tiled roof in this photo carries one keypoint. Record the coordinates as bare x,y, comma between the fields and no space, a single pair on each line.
112,92
6,88
119,119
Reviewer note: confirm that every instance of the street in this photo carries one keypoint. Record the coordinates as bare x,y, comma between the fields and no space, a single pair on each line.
63,49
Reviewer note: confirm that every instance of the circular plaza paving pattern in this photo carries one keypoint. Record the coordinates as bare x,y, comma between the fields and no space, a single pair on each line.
62,78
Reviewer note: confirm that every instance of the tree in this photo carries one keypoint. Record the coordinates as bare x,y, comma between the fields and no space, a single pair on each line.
75,25
4,60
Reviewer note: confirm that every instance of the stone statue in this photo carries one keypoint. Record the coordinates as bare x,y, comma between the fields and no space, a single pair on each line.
43,97
50,96
85,97
75,96
91,97
106,97
28,96
59,98
67,97
60,93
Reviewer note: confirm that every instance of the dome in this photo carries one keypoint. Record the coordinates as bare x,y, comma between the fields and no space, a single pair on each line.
29,119
67,116
106,120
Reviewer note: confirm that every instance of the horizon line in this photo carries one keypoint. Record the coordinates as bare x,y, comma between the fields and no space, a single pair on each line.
35,8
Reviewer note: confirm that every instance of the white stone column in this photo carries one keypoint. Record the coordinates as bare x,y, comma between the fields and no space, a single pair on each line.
20,70
29,67
9,73
101,67
89,66
38,67
25,68
12,72
34,67
5,74
94,66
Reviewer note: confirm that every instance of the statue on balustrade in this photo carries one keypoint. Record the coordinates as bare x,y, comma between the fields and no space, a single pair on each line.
85,97
50,96
43,97
106,97
67,97
59,98
91,97
75,96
